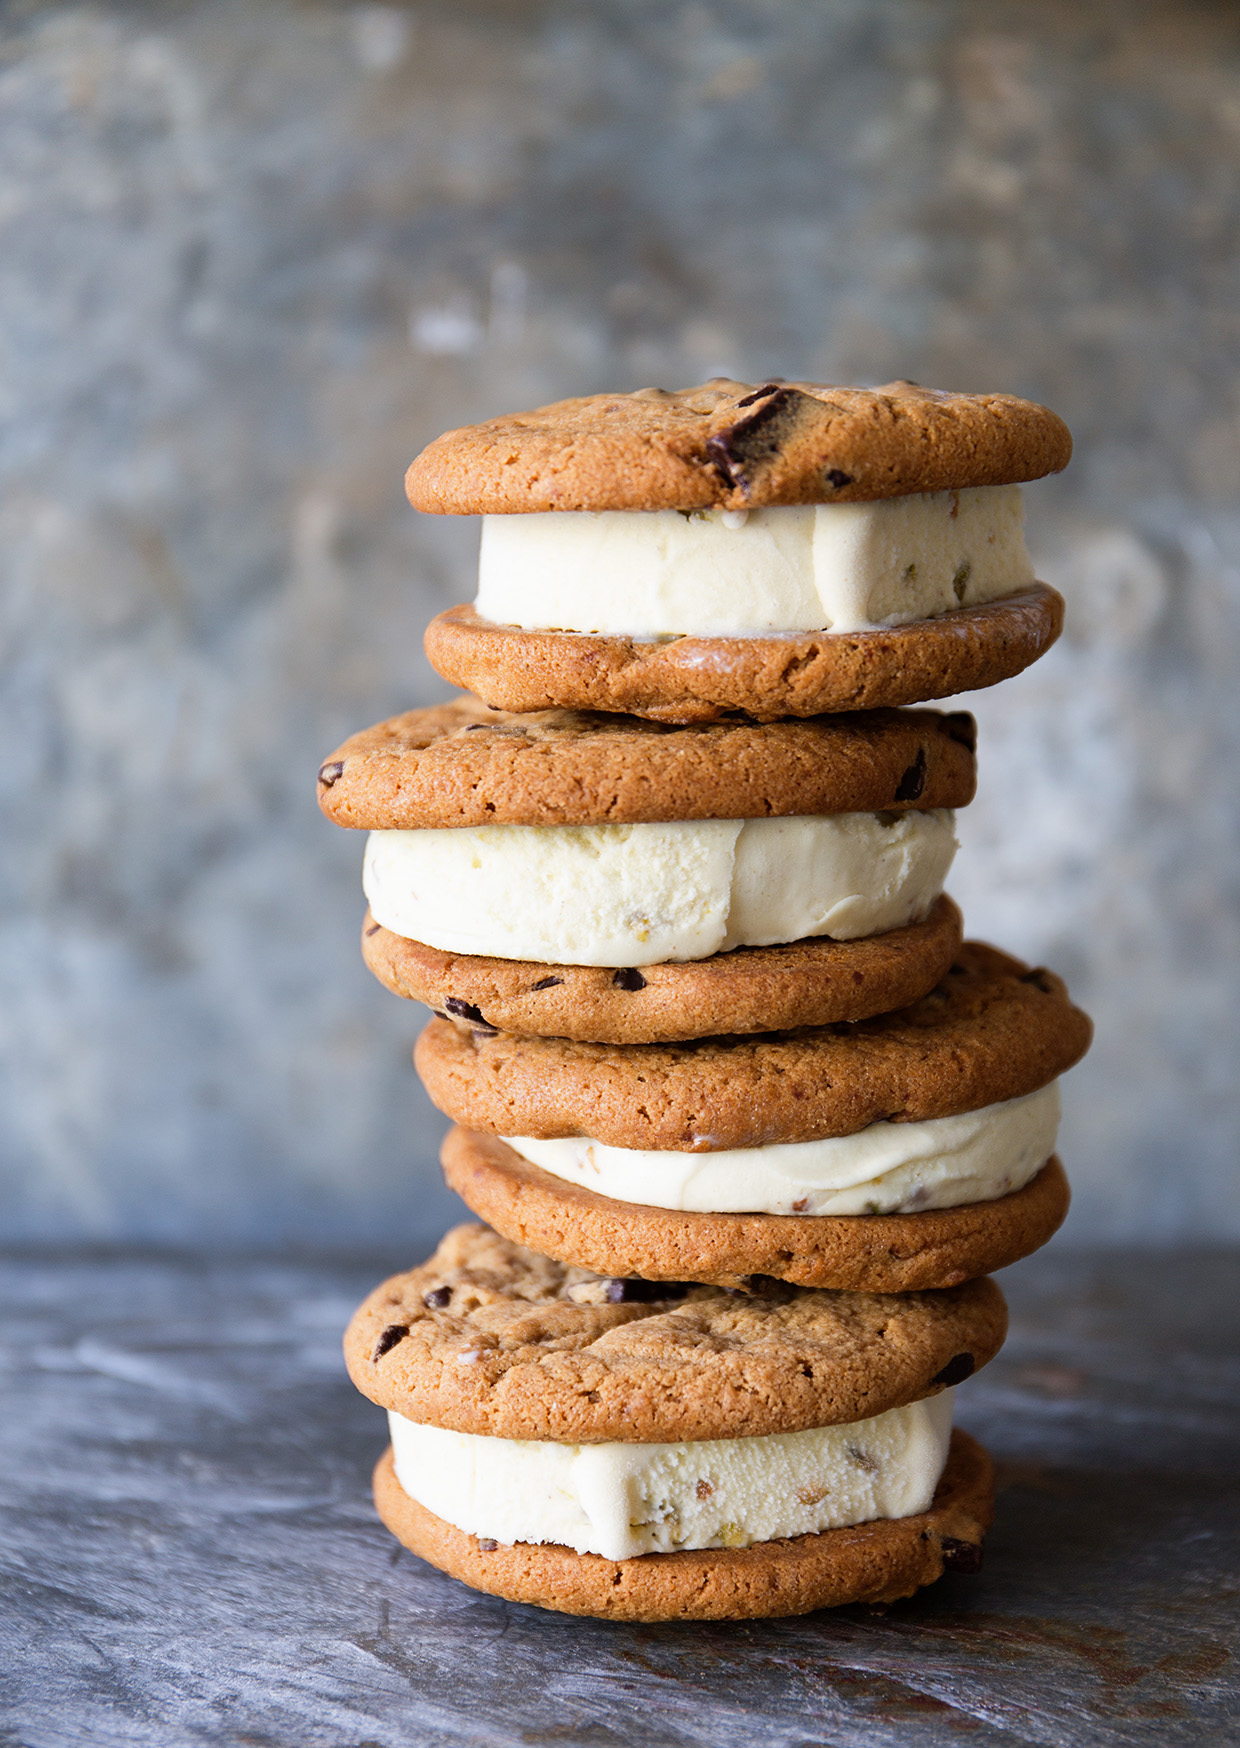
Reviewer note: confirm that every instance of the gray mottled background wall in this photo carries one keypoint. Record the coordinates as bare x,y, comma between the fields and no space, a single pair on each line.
253,255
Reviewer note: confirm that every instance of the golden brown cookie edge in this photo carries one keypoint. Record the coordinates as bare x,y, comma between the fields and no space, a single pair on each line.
875,1562
755,989
700,679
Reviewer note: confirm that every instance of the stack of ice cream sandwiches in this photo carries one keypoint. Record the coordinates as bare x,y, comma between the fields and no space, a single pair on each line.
748,1124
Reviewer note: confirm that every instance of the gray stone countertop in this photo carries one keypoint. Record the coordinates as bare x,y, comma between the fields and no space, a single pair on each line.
190,1555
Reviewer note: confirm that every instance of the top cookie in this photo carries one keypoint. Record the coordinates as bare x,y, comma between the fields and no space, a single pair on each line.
739,446
460,764
488,1337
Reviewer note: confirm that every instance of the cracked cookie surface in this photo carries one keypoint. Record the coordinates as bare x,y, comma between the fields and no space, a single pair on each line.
461,764
739,446
489,1337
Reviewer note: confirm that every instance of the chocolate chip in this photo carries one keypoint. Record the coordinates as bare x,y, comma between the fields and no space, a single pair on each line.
629,978
960,727
387,1341
546,983
836,477
759,394
913,781
469,729
329,773
1040,979
957,1369
487,1546
465,1010
437,1298
373,929
961,1556
632,1291
755,442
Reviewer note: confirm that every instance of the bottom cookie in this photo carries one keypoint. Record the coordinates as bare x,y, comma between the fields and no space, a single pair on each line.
873,1253
871,1562
752,989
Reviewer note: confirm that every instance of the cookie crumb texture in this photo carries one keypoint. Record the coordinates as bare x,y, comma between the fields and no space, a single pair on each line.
754,989
991,1029
490,1337
700,679
872,1253
874,1562
461,764
739,446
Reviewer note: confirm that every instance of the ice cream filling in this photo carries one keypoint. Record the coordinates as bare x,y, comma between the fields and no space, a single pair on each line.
886,1168
629,895
622,1500
736,573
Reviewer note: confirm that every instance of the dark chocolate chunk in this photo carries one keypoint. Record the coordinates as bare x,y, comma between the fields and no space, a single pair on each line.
759,394
329,773
913,781
960,727
632,1291
471,726
545,983
488,1546
961,1556
957,1369
387,1341
754,442
629,978
465,1010
437,1298
373,929
836,477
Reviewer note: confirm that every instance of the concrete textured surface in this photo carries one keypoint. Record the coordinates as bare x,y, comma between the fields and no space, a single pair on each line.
253,255
190,1555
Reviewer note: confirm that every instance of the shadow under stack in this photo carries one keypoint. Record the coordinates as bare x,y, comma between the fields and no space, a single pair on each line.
748,1124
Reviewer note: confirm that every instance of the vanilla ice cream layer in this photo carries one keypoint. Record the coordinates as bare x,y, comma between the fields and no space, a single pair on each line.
620,1500
644,894
888,1168
750,573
